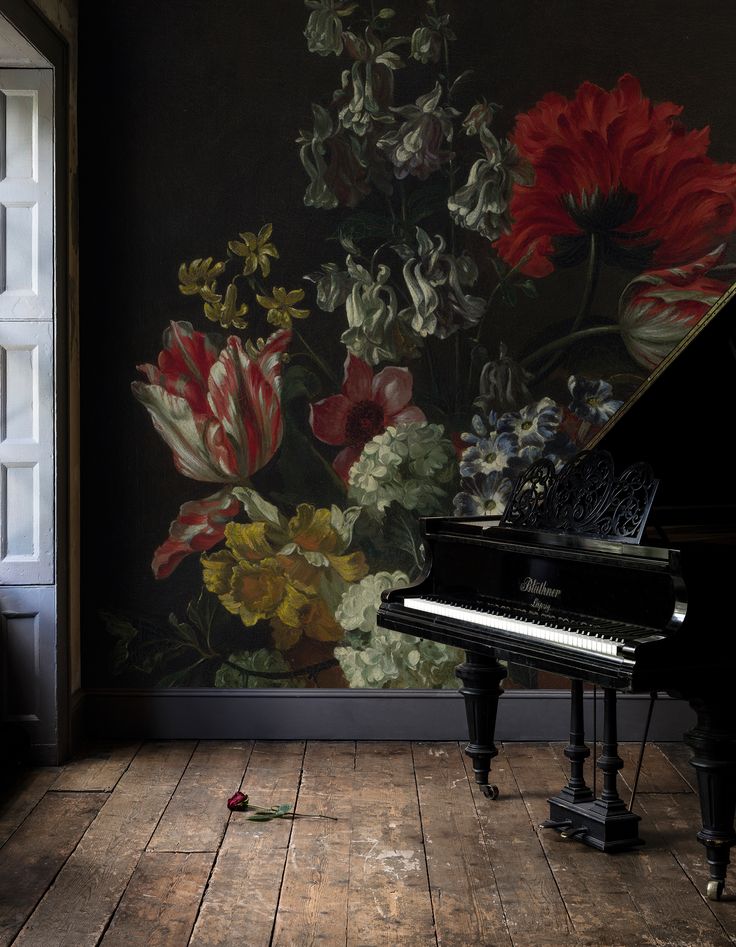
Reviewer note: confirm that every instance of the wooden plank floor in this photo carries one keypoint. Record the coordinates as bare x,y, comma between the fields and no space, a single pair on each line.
134,845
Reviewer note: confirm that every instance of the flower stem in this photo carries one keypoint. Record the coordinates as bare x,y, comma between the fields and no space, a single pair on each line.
318,361
499,285
591,282
273,811
458,382
592,273
432,374
330,470
312,669
451,163
557,345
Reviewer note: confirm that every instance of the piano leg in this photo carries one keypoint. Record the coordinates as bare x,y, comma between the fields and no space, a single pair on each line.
713,741
604,823
481,678
609,762
577,752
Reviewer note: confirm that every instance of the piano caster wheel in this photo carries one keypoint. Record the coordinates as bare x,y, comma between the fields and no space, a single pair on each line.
714,890
490,792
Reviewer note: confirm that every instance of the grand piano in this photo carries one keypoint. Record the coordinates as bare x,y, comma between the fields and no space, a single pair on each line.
619,572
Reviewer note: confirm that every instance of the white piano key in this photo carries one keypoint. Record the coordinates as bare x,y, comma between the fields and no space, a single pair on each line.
527,629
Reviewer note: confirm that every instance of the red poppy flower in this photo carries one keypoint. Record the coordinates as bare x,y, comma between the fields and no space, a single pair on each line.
618,166
367,406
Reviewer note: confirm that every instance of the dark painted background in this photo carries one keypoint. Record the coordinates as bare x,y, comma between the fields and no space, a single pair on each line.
188,118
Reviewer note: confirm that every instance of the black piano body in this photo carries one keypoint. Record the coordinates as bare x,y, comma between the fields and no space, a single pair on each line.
653,615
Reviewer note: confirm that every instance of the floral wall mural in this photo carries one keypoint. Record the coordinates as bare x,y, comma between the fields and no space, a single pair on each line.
456,278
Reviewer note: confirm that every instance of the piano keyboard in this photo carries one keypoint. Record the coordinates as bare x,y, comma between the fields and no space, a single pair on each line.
569,632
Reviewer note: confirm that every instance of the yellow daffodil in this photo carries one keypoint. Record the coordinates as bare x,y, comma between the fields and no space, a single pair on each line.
248,540
280,306
253,583
314,533
227,313
255,250
254,590
198,277
316,621
277,569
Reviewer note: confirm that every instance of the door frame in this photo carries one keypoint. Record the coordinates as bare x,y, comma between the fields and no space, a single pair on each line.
31,24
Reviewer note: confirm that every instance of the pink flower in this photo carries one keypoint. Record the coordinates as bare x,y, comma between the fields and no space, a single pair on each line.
220,413
367,406
659,308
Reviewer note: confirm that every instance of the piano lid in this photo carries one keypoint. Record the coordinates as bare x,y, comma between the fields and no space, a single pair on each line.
681,420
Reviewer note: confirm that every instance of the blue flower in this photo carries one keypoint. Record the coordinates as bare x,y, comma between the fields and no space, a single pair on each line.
489,451
534,424
486,495
592,399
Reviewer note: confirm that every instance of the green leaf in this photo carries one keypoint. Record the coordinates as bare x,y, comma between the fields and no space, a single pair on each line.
461,79
204,611
178,678
227,676
119,627
529,288
298,381
510,294
258,508
425,201
148,661
125,633
242,669
386,13
403,536
184,630
364,226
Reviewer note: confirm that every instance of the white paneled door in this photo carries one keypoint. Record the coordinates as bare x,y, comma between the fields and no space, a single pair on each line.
27,419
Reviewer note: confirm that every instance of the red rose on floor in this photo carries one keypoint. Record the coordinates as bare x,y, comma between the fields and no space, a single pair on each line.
616,165
238,802
367,406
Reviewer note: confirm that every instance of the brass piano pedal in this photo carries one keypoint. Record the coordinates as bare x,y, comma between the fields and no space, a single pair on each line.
715,890
575,833
554,824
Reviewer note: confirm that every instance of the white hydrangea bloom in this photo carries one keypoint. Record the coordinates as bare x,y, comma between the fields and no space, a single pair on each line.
410,464
393,659
359,604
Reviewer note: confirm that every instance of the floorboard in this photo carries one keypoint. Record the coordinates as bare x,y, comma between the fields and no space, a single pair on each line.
389,899
313,906
79,904
31,859
465,897
243,891
389,845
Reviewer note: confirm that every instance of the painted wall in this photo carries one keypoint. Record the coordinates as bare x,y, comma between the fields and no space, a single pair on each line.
63,17
369,263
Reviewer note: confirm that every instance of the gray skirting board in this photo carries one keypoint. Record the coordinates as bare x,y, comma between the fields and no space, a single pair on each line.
278,714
